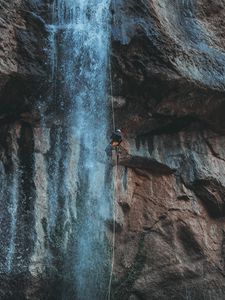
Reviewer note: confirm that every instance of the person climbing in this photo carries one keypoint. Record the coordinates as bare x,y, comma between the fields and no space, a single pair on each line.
115,141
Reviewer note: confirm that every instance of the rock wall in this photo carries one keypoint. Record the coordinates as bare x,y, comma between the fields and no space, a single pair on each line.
168,62
23,68
168,83
38,157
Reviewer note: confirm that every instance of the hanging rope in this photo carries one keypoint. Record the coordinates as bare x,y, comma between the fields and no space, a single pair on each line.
111,96
115,190
110,79
113,233
115,176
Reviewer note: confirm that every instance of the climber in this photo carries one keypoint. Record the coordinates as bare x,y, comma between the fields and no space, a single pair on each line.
115,141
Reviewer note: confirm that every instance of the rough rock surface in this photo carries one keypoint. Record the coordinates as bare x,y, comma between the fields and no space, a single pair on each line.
22,55
168,71
32,254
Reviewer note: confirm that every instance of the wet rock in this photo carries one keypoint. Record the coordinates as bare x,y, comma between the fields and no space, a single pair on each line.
180,212
23,68
168,62
168,66
212,194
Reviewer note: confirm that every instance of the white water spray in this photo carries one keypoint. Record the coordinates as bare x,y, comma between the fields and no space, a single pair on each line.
13,195
81,36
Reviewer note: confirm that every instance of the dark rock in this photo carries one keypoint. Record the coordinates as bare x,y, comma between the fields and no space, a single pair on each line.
168,69
23,69
212,194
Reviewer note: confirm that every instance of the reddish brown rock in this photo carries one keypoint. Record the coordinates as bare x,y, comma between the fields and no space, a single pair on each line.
168,66
23,68
168,70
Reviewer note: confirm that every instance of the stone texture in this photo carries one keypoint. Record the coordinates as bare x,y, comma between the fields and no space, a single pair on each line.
22,55
168,66
168,70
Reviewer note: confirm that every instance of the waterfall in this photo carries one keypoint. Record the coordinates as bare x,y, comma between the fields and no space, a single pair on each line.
13,212
80,41
13,195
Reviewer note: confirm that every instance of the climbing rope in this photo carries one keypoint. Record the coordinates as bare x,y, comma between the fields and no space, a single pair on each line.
111,92
113,233
115,188
115,191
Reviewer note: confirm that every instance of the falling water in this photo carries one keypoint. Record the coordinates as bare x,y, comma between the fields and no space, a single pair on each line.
79,64
13,207
13,212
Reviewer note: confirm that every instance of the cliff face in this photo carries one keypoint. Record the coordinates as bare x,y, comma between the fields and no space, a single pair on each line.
168,68
35,230
22,55
168,74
